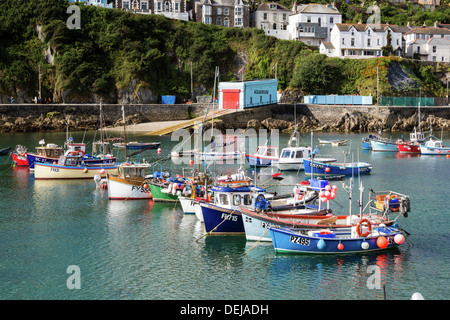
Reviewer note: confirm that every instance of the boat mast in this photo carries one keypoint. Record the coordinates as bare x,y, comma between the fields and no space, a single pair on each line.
124,134
101,128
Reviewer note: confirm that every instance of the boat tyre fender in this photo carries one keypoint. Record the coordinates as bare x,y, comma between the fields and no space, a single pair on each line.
359,228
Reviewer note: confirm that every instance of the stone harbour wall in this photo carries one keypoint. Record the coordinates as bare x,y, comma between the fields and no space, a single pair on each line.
80,117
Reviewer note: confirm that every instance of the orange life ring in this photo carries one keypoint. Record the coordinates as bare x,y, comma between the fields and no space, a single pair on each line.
358,228
81,153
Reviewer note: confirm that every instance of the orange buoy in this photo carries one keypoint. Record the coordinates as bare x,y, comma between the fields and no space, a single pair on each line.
382,242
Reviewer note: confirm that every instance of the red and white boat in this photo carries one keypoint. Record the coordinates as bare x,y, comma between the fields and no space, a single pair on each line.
19,156
413,145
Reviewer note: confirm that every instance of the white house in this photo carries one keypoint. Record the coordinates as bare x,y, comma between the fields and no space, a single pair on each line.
273,18
426,33
433,49
312,23
174,9
362,40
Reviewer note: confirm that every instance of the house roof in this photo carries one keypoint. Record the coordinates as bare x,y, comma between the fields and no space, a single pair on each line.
266,7
364,27
328,45
439,41
430,30
224,2
316,8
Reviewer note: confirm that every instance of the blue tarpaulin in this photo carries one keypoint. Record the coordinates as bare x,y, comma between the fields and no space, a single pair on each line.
168,99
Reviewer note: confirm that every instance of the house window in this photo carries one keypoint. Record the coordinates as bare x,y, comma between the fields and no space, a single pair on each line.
159,6
274,26
368,32
353,32
226,12
308,19
219,21
265,16
144,5
434,58
352,42
434,49
284,16
274,17
238,11
331,20
238,22
418,50
219,11
126,4
319,21
273,6
343,40
378,42
177,7
368,42
207,20
208,10
226,22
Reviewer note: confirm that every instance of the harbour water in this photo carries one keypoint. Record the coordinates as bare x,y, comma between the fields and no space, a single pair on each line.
146,250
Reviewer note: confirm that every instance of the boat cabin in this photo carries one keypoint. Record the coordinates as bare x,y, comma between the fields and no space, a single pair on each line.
295,153
416,136
132,170
267,151
70,161
434,143
76,148
50,151
232,198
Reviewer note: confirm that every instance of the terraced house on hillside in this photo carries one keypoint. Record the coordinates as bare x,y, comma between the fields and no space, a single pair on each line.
364,40
273,18
174,9
227,13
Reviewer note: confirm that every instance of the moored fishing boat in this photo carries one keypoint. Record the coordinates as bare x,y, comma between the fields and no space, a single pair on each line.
137,145
336,168
264,156
291,157
434,146
19,156
72,167
383,145
4,151
333,142
129,182
328,241
165,188
44,154
364,236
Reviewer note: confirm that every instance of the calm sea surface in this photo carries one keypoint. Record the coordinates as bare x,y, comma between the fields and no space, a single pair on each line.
146,250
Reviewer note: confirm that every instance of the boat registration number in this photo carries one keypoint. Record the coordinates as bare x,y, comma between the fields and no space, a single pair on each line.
299,240
318,166
229,217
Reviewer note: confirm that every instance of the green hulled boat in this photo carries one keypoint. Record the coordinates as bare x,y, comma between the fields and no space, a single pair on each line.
159,195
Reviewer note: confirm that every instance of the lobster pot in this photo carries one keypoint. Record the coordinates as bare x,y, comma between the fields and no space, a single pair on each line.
97,148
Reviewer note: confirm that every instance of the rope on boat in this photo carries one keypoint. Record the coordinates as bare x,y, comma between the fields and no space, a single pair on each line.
223,220
256,243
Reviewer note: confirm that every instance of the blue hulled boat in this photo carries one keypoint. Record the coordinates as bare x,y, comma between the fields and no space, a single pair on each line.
337,241
264,156
224,216
322,169
384,145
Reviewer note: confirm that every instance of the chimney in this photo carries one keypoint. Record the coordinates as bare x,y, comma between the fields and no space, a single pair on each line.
436,24
294,7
